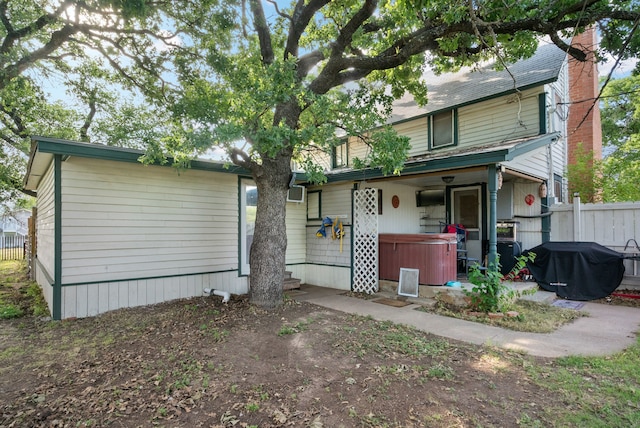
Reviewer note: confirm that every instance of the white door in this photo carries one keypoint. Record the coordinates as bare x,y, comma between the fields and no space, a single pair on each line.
466,209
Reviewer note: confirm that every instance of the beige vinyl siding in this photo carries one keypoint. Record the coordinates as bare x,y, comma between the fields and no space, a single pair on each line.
329,276
405,218
296,221
417,131
534,163
127,221
501,119
558,115
336,200
45,234
92,299
529,229
357,149
323,256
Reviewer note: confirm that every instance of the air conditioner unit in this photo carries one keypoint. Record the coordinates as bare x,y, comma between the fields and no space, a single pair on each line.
295,194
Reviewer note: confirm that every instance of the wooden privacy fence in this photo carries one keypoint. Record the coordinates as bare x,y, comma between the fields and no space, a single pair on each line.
616,226
12,247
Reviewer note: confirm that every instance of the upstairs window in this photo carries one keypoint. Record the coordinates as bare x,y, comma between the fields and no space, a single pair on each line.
558,187
340,155
442,129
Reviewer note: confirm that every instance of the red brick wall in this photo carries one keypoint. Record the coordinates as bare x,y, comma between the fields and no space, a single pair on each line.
583,86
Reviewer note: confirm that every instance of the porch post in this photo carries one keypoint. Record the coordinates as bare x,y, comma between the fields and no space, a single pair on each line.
492,180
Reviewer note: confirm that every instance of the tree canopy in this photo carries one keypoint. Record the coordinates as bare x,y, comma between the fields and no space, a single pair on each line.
273,83
64,69
621,140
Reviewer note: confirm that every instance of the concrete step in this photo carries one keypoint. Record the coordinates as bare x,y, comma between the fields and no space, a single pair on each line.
291,283
287,274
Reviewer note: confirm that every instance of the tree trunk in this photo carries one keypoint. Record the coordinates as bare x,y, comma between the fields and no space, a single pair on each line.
267,254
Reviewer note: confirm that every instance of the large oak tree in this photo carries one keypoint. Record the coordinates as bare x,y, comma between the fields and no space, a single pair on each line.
273,83
64,68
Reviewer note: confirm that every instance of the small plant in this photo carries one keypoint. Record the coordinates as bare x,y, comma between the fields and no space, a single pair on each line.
297,328
8,311
252,407
489,294
38,303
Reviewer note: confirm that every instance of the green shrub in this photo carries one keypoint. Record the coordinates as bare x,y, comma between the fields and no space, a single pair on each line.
489,294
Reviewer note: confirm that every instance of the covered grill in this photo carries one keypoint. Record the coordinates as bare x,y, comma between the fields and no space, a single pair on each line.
577,270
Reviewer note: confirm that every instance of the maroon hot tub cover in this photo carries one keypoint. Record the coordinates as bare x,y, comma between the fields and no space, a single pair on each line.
577,270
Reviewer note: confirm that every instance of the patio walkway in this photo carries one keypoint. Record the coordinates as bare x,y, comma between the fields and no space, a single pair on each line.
608,328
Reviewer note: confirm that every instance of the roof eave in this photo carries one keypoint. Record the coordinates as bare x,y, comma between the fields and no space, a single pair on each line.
451,162
48,147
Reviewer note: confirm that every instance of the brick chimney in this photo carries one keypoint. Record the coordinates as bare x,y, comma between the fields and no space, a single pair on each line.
583,125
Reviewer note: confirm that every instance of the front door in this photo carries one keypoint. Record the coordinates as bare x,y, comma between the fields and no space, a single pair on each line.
466,209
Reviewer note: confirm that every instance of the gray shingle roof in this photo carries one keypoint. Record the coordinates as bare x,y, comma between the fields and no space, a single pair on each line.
471,85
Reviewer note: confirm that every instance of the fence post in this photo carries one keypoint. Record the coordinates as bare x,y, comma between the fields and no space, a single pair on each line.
577,224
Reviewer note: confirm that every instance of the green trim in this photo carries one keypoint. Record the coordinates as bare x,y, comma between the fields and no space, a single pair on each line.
239,242
542,113
546,220
146,278
57,237
327,265
448,196
241,178
522,149
45,272
353,189
451,162
120,154
455,127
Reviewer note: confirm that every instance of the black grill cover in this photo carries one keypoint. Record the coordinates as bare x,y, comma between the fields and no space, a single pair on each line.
577,270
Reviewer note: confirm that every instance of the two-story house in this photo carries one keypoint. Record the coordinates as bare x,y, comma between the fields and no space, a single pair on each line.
114,233
488,154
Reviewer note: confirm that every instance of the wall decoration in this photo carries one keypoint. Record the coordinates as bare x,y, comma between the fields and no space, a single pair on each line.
395,201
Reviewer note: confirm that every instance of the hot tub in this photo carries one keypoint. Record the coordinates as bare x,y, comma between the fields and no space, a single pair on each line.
433,254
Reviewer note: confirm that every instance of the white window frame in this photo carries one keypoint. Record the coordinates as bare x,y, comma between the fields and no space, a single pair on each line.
432,131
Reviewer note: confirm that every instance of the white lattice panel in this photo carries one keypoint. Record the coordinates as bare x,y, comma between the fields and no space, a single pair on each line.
365,240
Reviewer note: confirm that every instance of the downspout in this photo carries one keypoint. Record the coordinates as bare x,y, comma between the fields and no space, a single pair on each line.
492,180
226,296
57,238
545,222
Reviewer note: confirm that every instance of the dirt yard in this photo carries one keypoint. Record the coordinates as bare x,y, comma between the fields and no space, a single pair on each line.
200,363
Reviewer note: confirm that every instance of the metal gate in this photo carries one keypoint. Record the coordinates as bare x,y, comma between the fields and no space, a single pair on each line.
365,240
12,247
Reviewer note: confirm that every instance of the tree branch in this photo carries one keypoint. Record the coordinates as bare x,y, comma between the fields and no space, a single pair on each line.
58,38
302,15
240,158
28,30
264,33
16,126
84,131
282,14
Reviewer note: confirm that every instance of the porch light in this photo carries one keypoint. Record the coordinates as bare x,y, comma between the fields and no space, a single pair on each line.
448,178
